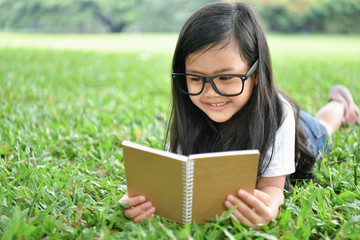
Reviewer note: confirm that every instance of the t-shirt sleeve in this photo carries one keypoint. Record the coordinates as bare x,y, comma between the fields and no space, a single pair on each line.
283,160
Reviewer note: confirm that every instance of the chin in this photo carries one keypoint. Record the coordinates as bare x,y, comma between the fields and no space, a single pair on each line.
220,120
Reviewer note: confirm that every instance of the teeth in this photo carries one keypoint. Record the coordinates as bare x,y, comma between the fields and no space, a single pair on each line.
218,105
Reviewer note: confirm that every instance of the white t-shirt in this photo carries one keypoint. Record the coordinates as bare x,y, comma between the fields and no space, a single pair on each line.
283,159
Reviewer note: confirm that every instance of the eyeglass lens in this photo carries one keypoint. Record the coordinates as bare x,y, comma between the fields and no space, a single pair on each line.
225,84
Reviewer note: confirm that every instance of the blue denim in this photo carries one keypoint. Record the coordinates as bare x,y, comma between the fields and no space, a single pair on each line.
316,134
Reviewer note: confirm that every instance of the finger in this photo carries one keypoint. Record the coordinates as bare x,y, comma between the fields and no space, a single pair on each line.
148,214
262,213
123,204
123,201
238,214
124,197
134,201
249,199
245,209
263,197
138,210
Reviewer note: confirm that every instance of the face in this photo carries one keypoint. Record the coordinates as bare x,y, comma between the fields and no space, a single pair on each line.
219,60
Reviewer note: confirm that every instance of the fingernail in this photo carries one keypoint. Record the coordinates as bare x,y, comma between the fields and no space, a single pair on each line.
241,193
123,204
152,210
148,204
231,198
142,198
228,204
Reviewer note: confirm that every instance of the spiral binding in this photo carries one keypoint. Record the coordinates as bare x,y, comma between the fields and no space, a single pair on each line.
188,177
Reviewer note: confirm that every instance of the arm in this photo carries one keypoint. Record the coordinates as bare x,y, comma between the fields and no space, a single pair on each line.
139,209
261,207
274,187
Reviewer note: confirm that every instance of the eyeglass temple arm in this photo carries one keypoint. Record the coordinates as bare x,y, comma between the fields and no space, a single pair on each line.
253,68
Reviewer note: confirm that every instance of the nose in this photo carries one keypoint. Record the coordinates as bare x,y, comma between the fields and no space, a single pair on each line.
209,90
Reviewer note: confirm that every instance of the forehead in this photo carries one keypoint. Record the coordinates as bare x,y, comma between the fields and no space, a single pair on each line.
220,56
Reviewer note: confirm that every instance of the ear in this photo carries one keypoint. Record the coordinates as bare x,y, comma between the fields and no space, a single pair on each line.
256,77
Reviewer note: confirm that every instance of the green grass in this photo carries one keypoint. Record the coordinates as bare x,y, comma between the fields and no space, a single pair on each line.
99,42
64,114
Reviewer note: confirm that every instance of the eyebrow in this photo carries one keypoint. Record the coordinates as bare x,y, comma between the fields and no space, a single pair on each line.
219,71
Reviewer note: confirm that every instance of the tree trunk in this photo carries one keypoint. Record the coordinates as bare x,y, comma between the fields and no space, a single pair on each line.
116,28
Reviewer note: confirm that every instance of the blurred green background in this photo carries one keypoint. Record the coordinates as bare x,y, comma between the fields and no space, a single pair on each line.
69,99
305,16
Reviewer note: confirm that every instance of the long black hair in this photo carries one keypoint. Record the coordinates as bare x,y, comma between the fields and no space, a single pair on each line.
254,127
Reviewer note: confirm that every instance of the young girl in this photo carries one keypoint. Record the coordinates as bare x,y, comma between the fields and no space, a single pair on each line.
224,99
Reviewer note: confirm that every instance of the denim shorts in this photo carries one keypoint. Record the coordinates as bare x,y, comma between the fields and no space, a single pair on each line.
316,134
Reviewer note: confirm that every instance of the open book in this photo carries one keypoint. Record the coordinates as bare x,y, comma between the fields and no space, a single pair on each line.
187,189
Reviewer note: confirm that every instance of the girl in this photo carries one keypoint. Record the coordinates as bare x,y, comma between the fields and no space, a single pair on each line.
224,99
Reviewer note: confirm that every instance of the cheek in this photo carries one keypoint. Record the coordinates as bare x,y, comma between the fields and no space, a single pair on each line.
249,86
242,99
195,100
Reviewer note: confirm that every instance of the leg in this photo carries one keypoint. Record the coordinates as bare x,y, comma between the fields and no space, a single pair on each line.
331,116
340,109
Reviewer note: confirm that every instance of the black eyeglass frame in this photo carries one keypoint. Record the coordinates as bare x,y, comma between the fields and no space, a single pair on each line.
210,80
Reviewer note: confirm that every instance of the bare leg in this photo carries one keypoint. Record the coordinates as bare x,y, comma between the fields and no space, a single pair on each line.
341,109
331,115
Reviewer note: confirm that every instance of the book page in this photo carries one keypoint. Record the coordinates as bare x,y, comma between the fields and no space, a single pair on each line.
217,176
158,176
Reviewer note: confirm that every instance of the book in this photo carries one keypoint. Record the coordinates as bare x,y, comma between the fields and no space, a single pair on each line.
188,188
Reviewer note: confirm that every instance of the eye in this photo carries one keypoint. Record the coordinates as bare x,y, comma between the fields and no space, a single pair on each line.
194,78
224,78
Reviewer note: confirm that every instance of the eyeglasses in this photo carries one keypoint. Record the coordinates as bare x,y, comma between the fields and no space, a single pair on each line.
228,85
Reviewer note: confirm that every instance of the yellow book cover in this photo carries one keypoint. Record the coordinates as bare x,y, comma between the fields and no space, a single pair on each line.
188,188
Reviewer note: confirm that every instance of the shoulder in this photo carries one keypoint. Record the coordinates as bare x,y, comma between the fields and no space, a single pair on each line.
288,121
286,106
281,156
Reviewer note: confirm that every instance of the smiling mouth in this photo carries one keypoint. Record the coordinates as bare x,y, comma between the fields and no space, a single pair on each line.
218,104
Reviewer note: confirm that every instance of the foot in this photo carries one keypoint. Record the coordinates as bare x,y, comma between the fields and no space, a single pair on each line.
340,93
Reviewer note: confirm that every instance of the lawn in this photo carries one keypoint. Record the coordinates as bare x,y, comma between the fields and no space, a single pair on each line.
68,101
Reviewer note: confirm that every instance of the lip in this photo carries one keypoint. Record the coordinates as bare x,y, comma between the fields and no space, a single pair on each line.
218,106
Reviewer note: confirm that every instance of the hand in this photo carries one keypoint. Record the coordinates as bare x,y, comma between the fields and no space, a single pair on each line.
138,208
253,210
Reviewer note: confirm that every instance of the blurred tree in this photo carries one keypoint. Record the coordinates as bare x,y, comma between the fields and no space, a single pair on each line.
160,15
114,15
333,16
